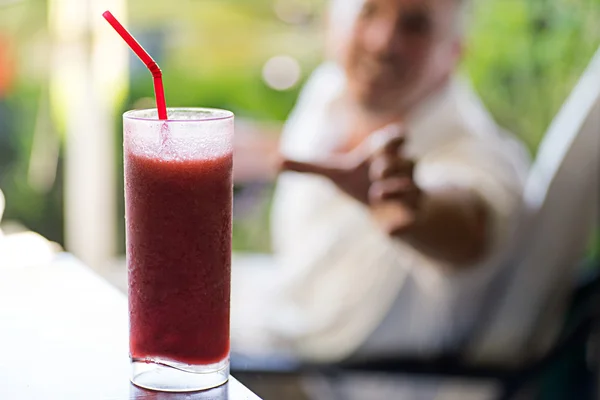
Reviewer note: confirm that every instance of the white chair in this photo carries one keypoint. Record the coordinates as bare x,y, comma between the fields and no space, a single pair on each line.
1,206
560,206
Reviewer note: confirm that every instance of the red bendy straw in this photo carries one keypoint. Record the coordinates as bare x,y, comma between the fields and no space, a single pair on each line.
159,91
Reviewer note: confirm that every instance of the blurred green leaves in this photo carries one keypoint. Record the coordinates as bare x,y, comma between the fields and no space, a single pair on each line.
525,57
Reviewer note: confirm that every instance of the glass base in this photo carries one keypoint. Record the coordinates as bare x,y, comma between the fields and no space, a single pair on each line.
170,376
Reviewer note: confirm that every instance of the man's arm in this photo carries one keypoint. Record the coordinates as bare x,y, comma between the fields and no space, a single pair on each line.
447,224
450,225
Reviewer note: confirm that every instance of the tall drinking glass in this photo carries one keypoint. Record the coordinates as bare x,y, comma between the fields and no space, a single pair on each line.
178,196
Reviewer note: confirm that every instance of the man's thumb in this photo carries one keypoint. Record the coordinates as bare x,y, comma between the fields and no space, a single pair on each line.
329,170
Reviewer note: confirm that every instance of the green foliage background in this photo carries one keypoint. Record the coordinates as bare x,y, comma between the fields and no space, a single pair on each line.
523,56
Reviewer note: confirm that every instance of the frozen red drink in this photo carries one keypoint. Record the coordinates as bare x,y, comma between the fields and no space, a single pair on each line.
178,188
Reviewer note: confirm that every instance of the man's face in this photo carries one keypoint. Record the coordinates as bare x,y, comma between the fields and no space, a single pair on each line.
399,50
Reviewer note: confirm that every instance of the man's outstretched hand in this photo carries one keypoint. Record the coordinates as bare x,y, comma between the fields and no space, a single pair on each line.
376,174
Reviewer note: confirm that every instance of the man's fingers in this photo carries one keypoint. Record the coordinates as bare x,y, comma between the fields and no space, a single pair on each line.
317,168
388,140
390,187
393,218
387,166
395,189
393,145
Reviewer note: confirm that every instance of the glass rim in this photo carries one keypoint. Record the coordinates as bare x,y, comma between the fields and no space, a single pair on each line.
214,114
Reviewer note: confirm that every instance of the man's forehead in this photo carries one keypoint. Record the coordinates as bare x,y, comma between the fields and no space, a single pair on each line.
427,6
442,13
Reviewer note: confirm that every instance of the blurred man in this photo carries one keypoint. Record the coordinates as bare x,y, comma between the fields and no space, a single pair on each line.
399,198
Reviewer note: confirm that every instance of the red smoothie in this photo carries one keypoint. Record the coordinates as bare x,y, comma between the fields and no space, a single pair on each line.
179,257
